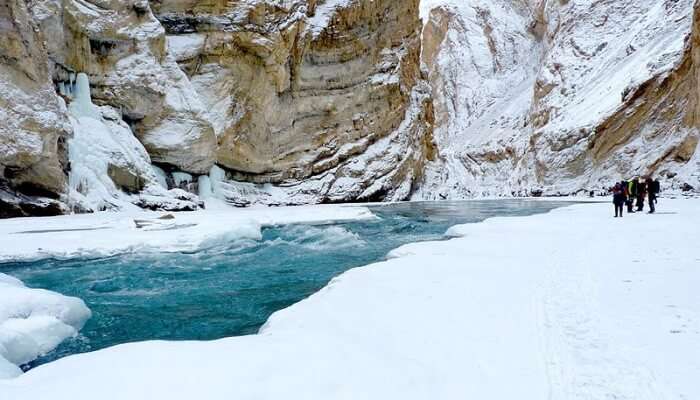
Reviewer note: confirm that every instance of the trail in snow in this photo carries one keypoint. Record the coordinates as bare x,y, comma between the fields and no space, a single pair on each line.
612,322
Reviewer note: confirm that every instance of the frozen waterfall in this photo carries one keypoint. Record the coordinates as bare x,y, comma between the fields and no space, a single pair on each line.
104,147
82,106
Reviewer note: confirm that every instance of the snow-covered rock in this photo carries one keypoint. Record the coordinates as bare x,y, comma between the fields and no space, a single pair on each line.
33,120
122,48
33,322
110,168
553,97
312,101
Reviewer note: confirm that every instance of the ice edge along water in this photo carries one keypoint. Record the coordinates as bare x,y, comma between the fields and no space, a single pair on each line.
34,321
116,233
516,300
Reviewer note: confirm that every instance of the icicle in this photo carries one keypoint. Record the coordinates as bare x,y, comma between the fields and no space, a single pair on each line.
216,176
160,175
82,106
71,83
205,188
181,178
209,185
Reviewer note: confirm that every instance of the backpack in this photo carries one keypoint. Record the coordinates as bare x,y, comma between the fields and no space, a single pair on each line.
656,187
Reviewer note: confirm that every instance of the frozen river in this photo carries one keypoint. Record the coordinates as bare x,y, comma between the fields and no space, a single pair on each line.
233,288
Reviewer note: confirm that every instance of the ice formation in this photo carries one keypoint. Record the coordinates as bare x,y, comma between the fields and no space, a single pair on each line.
107,161
33,322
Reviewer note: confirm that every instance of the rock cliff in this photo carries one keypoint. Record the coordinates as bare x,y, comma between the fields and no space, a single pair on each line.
548,97
296,101
33,121
323,99
308,101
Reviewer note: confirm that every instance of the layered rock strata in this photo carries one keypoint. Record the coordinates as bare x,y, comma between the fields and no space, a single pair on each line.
324,99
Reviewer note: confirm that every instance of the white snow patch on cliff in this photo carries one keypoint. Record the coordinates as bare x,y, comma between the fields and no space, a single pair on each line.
323,15
185,47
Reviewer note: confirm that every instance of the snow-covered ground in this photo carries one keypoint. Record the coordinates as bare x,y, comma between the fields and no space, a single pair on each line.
104,234
571,304
33,322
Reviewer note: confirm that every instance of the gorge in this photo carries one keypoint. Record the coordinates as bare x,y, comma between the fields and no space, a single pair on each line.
114,105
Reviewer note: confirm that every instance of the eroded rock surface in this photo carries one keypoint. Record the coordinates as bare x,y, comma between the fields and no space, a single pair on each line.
323,99
307,101
551,97
33,121
122,48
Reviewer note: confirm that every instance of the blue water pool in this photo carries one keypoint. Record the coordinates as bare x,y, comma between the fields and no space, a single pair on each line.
232,289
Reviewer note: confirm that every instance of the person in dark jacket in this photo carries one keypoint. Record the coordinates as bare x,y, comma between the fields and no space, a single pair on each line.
618,199
641,194
657,190
653,187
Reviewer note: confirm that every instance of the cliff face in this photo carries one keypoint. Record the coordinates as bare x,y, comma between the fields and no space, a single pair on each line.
298,101
33,121
322,98
307,101
121,47
575,95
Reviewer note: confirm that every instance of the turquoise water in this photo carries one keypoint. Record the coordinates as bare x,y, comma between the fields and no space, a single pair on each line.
232,289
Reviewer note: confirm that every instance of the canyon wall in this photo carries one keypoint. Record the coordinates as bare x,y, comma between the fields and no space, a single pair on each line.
322,99
294,101
313,101
33,120
546,97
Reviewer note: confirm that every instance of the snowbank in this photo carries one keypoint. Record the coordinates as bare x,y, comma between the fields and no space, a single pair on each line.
105,234
33,322
572,304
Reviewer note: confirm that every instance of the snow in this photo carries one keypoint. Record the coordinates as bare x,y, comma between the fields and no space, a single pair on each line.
185,47
521,89
33,322
573,304
323,15
100,139
109,233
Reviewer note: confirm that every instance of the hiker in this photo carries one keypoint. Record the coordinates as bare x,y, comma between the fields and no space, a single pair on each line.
641,194
631,195
653,187
657,190
618,199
